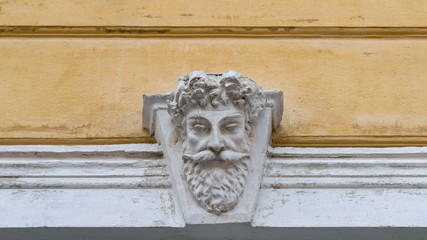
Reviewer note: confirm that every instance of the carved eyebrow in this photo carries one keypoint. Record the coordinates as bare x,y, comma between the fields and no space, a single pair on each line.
233,116
196,117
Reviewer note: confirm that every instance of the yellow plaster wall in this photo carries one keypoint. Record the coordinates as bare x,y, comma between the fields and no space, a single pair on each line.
349,91
378,13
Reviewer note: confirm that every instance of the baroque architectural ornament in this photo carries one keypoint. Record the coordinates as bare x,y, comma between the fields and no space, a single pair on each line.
215,138
214,113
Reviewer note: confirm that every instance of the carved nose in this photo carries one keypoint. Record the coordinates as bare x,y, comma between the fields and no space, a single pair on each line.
217,148
215,144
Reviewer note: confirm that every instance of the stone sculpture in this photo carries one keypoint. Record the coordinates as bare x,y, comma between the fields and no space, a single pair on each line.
214,129
214,113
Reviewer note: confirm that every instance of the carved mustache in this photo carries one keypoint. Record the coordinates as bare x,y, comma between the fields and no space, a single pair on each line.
207,155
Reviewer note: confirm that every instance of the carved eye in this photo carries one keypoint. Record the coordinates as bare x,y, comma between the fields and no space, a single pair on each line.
200,128
232,127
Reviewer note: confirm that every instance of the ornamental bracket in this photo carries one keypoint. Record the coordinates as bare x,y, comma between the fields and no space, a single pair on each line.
214,129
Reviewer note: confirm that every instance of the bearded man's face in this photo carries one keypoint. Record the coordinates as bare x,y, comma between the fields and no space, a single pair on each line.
216,156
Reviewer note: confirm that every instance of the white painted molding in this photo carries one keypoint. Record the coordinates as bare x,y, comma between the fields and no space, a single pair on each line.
346,168
149,149
344,187
83,167
128,186
86,186
337,152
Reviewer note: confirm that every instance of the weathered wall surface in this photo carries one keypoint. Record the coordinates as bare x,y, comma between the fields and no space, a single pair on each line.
348,13
353,73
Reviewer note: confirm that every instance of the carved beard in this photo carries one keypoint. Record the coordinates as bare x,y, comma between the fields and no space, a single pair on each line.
216,182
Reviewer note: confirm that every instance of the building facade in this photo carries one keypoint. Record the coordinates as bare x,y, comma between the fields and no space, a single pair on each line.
343,151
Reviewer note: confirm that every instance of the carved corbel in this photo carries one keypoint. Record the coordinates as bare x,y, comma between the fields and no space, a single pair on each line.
214,129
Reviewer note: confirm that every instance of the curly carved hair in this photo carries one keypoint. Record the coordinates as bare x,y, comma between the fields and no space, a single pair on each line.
199,89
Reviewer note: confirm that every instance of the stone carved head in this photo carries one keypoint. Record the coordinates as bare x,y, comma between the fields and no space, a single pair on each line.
214,114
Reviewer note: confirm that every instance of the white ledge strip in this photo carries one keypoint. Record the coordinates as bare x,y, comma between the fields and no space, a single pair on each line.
344,182
350,167
84,182
81,167
82,148
155,148
346,151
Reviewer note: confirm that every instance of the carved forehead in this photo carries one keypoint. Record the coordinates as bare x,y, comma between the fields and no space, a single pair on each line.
216,115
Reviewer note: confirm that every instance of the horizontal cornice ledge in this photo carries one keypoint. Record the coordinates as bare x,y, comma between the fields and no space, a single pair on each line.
129,186
142,166
346,168
211,32
128,166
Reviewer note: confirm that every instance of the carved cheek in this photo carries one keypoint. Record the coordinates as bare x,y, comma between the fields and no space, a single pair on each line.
239,141
236,140
196,142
